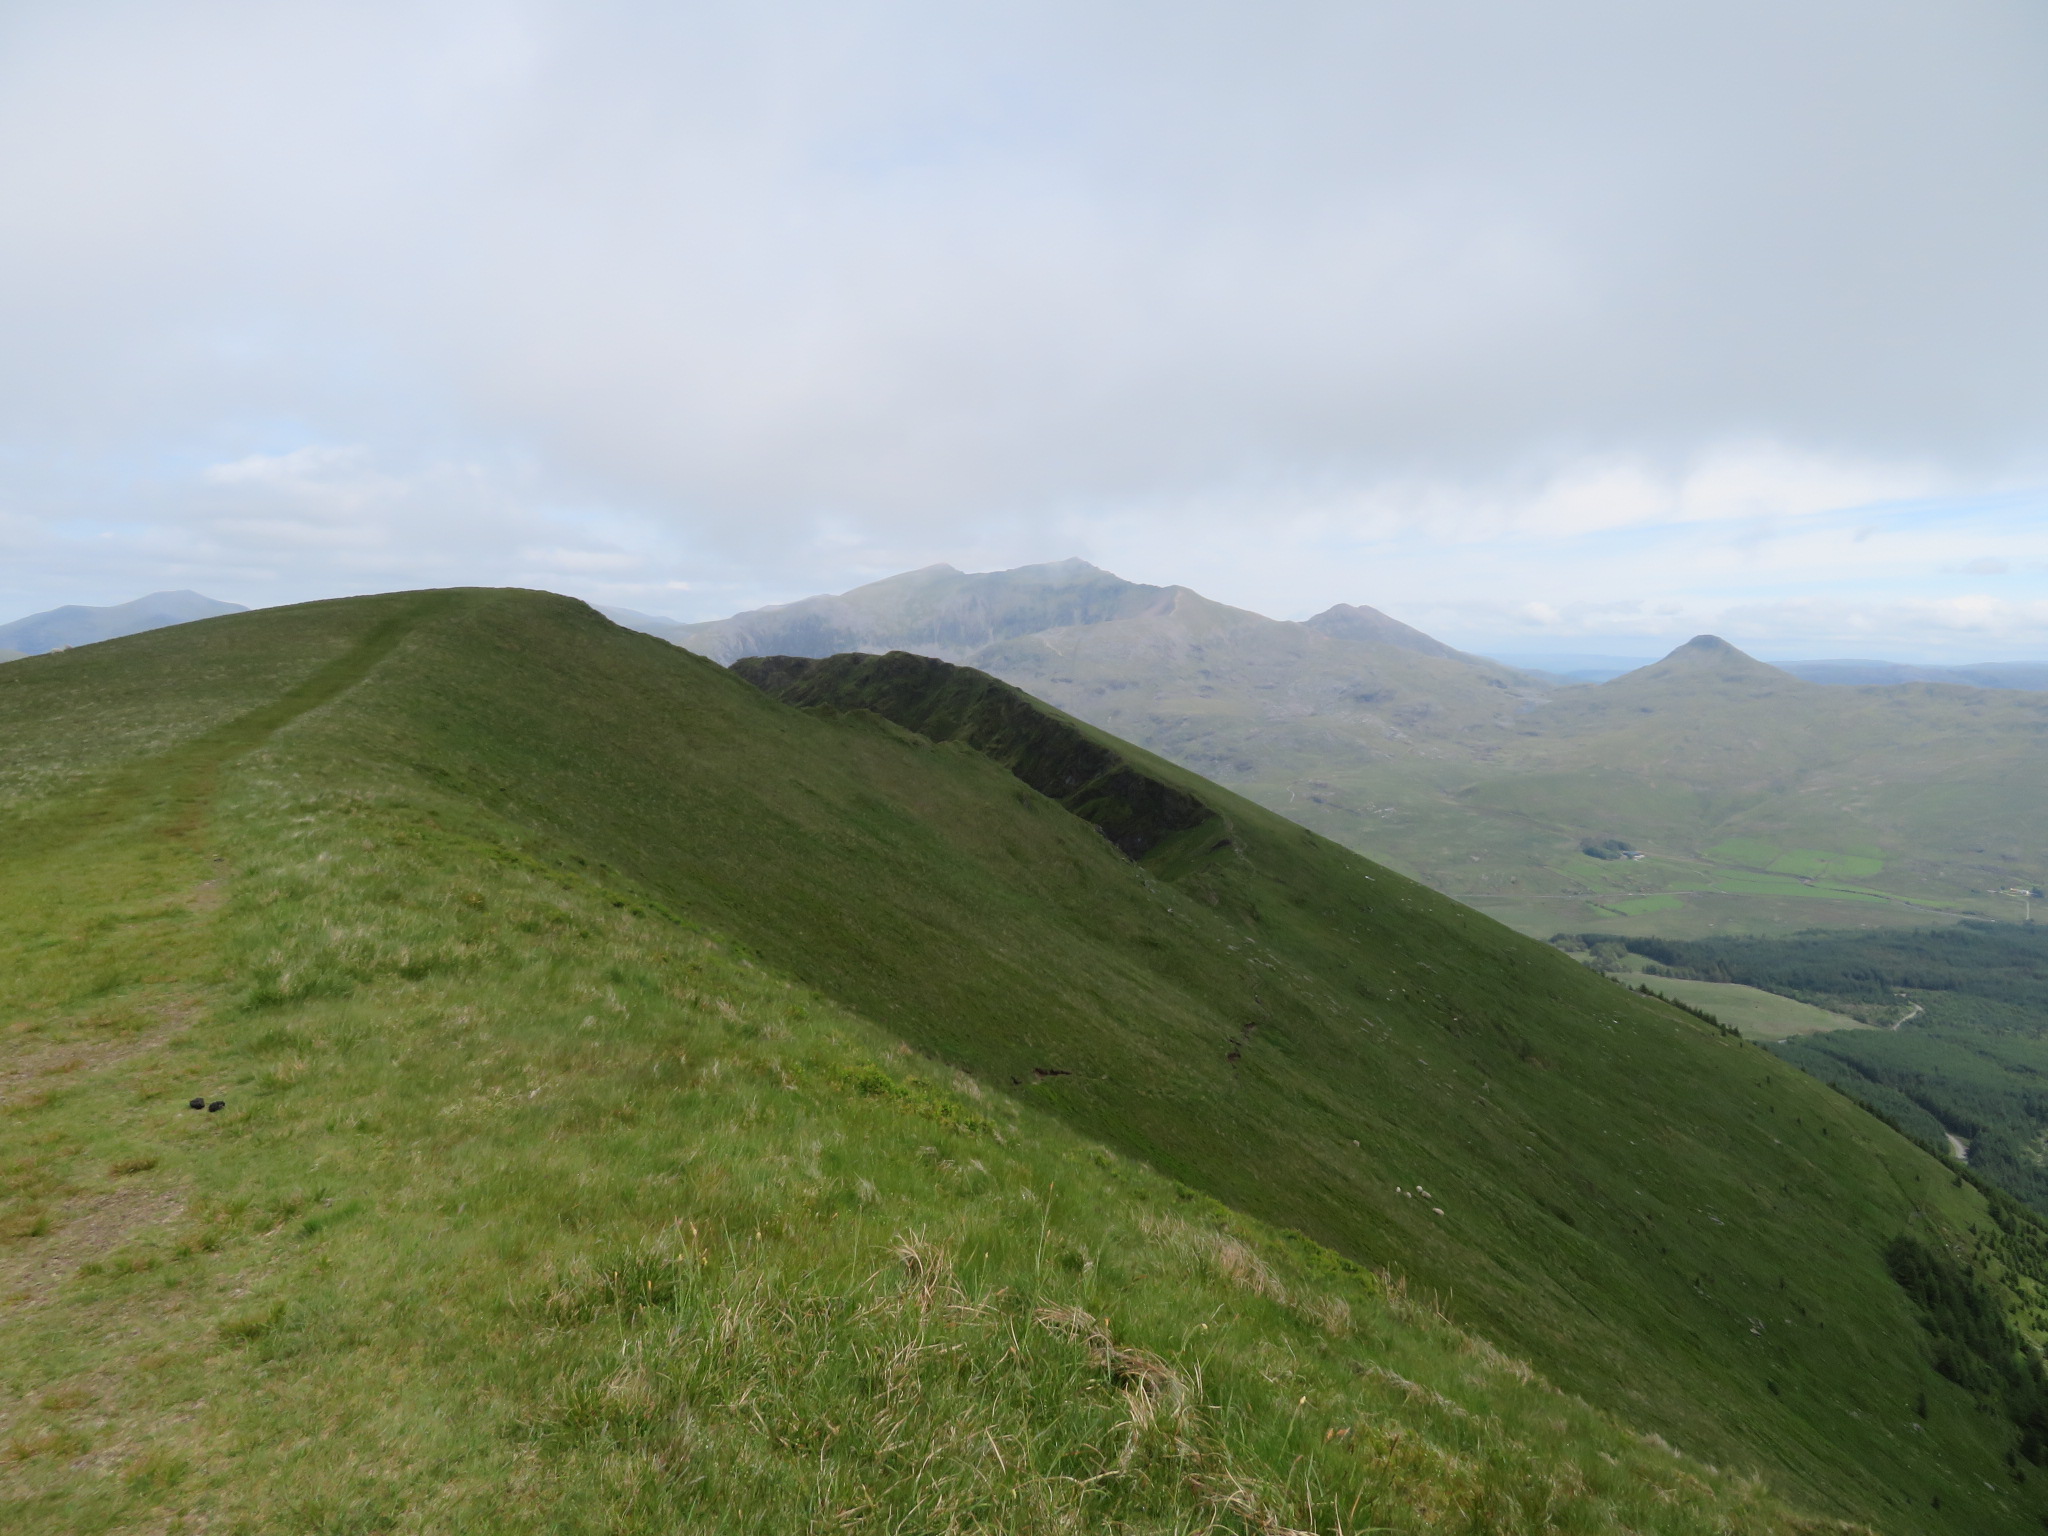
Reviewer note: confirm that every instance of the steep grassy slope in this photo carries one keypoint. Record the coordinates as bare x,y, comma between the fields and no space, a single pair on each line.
541,1210
533,1207
1549,1116
471,846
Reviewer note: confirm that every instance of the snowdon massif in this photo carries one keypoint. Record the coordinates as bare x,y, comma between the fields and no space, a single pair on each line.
1757,799
649,1103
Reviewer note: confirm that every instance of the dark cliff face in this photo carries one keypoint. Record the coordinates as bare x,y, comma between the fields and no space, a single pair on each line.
943,702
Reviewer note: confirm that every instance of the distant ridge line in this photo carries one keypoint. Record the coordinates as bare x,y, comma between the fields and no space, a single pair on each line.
60,628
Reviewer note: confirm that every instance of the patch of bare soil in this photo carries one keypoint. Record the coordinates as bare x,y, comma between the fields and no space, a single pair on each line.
96,1423
206,896
85,1227
29,1069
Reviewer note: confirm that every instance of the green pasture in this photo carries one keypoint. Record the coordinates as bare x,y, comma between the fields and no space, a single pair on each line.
1758,1014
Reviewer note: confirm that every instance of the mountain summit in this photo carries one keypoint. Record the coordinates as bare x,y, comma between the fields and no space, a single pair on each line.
937,611
1359,623
76,625
1709,659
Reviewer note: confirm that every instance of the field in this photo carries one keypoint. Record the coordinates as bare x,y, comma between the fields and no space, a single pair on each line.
1758,1014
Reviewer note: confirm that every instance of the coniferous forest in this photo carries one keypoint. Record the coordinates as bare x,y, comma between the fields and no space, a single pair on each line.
1960,1044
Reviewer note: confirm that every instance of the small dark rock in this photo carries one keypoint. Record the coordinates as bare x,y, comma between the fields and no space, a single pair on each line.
197,1104
216,1106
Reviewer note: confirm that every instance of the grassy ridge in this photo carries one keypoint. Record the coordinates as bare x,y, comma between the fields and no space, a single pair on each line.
1665,1220
535,1208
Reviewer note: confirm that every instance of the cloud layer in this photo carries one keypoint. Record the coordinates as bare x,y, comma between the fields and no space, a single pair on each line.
691,306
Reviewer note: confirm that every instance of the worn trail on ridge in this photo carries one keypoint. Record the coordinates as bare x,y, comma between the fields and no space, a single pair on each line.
176,785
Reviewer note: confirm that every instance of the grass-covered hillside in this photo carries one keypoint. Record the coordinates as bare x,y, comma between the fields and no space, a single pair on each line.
647,1105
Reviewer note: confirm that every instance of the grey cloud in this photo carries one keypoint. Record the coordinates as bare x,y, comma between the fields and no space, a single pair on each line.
768,273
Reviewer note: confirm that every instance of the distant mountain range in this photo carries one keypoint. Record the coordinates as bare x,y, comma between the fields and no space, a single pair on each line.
937,611
72,625
1757,797
951,614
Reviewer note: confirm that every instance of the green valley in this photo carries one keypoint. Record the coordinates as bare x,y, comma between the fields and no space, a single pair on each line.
646,1103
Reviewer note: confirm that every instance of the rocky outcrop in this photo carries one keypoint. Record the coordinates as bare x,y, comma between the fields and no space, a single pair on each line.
942,702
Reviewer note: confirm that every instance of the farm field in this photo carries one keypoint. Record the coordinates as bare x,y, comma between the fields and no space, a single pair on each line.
1758,1014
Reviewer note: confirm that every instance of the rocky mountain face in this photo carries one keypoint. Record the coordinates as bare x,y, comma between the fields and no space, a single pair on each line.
937,612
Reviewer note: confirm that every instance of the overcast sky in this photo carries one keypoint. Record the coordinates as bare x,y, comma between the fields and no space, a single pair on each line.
1582,326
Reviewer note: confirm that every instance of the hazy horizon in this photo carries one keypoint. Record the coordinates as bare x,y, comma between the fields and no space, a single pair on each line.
1585,328
1519,651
